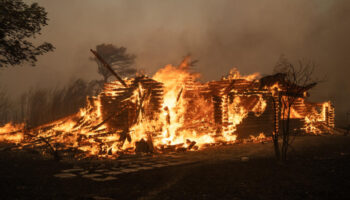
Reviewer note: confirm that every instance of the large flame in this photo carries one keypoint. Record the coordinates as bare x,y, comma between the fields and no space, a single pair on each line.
185,119
10,133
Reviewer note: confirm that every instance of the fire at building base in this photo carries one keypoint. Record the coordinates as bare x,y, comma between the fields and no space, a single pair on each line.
173,111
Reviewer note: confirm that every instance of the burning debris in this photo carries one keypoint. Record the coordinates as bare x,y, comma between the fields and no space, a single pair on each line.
173,111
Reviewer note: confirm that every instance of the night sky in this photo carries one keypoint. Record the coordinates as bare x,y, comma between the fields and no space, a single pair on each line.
247,34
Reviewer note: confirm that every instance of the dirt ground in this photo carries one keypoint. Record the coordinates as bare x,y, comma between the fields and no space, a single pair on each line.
318,168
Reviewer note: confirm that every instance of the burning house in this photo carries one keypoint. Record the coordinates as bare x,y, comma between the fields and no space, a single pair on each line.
174,111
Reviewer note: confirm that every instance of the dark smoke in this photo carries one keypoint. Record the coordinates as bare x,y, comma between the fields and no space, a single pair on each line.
248,34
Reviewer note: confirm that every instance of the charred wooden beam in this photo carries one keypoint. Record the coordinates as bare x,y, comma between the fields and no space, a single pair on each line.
108,67
179,95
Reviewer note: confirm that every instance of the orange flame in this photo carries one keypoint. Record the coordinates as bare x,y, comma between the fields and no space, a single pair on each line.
185,119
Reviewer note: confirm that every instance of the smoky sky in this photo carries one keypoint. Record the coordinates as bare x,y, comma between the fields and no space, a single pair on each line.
247,34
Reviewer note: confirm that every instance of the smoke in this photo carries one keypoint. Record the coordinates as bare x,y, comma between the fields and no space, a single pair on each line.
247,34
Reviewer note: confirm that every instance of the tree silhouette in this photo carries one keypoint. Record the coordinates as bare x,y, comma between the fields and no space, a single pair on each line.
18,23
297,80
117,58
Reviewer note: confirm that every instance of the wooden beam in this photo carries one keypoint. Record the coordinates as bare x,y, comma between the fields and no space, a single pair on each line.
108,67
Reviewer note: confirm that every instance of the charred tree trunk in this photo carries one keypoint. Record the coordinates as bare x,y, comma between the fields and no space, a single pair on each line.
275,136
286,134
